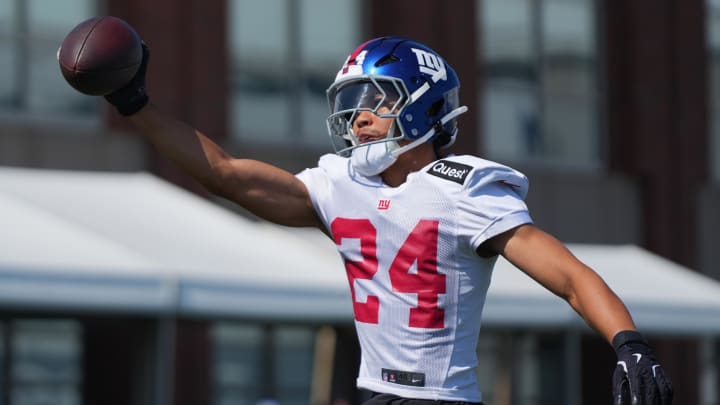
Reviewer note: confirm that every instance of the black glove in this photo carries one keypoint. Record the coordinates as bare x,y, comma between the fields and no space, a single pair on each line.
638,372
132,97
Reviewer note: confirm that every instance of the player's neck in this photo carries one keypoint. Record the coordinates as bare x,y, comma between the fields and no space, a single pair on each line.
409,162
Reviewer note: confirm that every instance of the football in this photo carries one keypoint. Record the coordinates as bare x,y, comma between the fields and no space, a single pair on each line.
100,55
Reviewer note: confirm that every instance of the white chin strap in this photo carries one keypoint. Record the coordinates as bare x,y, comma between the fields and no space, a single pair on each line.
374,158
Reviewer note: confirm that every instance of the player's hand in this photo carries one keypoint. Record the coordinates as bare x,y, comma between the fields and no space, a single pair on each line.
644,379
132,98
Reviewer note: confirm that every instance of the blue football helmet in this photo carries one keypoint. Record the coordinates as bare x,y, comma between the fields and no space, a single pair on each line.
419,89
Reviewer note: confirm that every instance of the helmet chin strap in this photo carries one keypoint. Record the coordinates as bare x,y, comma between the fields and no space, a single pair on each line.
429,134
373,158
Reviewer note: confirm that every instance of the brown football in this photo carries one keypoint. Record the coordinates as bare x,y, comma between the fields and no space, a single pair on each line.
100,55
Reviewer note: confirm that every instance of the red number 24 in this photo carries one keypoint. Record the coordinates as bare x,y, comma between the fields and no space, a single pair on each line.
420,247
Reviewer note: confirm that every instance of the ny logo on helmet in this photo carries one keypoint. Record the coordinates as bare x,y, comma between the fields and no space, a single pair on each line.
430,64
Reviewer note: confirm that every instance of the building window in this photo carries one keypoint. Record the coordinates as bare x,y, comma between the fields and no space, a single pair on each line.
539,87
239,360
293,363
525,367
30,33
43,359
255,363
713,23
279,75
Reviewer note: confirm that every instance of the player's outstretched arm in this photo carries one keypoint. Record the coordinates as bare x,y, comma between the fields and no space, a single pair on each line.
551,264
267,191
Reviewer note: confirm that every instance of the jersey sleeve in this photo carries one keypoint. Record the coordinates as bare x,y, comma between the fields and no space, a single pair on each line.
318,182
492,203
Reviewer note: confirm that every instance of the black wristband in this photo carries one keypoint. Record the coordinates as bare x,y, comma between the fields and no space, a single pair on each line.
625,337
133,105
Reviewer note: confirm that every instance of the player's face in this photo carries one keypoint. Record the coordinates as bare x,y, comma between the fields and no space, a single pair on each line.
369,126
370,107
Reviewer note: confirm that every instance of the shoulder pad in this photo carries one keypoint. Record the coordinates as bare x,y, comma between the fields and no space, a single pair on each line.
472,171
330,158
331,161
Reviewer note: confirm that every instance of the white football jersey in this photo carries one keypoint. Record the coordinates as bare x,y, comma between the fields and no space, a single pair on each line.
417,284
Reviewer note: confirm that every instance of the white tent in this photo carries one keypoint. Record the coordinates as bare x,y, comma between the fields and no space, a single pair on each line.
131,242
112,242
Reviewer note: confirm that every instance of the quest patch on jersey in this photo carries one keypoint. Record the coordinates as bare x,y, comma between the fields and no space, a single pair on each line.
448,170
403,377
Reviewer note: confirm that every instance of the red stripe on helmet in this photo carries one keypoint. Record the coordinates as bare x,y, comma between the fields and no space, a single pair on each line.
357,51
353,56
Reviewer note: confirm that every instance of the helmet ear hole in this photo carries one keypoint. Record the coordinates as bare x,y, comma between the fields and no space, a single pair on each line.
435,108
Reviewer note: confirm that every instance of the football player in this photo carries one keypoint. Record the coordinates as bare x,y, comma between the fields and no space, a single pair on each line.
418,230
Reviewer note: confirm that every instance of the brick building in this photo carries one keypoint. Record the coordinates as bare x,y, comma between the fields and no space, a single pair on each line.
611,108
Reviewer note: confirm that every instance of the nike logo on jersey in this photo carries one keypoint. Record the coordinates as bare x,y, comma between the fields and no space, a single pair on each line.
639,356
403,377
453,171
